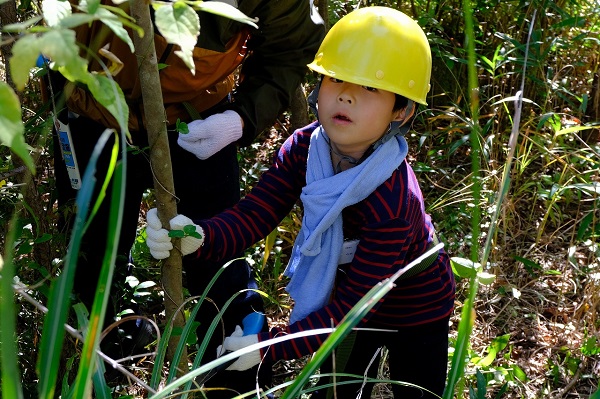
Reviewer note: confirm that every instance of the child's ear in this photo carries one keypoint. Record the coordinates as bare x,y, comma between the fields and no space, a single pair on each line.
405,113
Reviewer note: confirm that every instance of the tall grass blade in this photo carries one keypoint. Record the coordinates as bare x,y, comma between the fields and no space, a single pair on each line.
87,364
58,303
467,315
466,322
167,391
11,377
187,331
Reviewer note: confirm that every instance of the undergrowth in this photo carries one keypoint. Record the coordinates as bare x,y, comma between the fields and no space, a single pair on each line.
536,333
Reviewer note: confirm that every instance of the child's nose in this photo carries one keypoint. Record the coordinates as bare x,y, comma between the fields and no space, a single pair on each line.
344,99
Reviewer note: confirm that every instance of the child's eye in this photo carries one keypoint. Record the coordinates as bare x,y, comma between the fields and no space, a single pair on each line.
369,88
335,80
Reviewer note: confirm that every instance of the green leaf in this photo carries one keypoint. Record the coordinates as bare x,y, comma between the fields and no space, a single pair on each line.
25,54
225,10
55,10
44,238
76,19
110,95
486,278
481,385
11,126
463,267
269,243
59,45
180,25
190,230
590,347
176,233
92,6
21,26
116,25
529,265
181,127
498,344
187,58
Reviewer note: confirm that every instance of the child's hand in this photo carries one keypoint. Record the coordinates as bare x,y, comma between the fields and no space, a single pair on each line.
159,239
237,341
194,235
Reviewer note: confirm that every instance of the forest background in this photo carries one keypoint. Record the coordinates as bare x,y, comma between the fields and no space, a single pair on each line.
508,160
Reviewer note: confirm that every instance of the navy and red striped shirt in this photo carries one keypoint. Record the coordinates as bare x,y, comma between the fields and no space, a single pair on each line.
392,228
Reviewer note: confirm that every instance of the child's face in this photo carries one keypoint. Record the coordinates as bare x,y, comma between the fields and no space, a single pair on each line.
354,116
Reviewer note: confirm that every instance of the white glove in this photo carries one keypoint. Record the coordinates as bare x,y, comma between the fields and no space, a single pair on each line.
237,341
189,244
158,239
209,136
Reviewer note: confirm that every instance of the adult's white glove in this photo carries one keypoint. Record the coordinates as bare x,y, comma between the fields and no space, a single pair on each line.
237,341
158,239
209,136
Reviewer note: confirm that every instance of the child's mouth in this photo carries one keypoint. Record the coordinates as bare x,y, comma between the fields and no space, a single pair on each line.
343,118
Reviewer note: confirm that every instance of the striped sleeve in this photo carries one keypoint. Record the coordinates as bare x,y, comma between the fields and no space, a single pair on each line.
259,212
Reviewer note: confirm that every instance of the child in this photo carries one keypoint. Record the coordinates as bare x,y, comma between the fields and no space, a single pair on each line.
359,194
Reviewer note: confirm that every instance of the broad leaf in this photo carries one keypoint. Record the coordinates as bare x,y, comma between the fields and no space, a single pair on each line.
57,45
224,10
116,25
463,267
25,54
55,10
76,19
11,126
180,25
486,278
60,46
110,95
92,6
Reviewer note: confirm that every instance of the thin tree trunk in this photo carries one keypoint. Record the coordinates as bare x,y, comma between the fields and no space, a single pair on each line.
323,7
299,105
160,161
299,109
593,111
8,15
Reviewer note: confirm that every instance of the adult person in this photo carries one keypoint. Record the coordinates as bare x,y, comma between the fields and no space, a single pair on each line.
364,214
244,80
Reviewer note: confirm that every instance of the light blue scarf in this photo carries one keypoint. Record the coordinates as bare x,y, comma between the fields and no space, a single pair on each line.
317,248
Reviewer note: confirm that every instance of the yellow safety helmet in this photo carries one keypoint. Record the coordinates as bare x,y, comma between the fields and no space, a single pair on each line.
378,47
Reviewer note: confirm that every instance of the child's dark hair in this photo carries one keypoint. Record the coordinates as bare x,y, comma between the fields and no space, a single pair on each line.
400,103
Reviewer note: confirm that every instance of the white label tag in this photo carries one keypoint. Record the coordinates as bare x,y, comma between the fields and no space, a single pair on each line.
348,251
68,153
